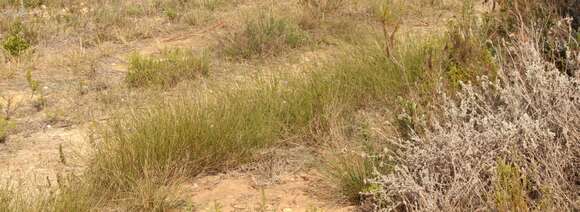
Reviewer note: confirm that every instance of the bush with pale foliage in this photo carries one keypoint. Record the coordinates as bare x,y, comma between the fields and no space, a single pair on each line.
509,145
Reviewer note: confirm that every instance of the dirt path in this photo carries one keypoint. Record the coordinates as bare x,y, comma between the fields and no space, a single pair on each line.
294,192
40,157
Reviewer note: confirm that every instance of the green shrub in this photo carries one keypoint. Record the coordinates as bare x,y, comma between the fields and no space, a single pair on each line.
166,70
265,35
18,38
15,45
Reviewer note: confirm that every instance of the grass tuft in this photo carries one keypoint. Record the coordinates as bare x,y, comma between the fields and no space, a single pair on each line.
166,70
265,35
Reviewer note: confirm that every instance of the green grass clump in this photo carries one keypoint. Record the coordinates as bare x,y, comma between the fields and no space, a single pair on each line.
167,69
265,35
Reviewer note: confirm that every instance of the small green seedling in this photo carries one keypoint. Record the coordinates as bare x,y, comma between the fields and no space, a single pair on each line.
34,86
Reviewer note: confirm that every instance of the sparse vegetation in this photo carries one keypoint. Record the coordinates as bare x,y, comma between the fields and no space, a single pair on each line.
395,105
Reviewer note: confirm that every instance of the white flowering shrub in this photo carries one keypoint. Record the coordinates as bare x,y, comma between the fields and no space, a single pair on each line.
509,145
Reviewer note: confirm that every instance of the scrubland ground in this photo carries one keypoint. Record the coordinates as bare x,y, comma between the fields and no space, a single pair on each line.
299,105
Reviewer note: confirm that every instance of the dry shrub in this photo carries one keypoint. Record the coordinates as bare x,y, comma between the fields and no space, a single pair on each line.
510,145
